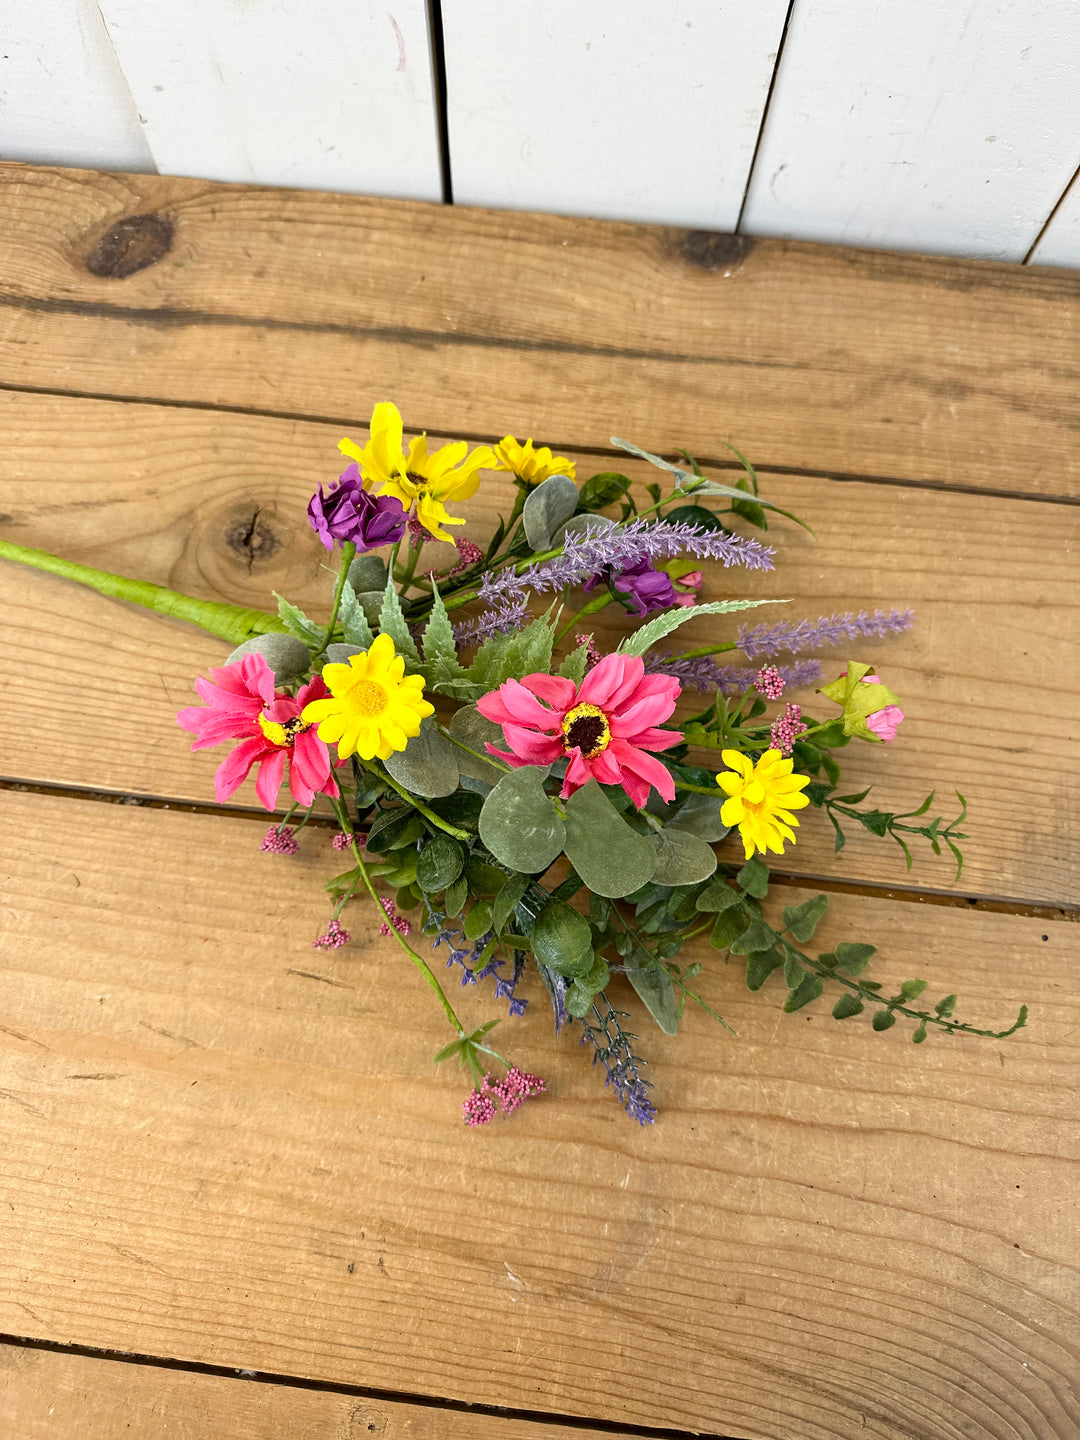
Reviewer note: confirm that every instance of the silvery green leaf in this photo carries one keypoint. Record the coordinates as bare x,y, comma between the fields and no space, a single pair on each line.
478,787
473,732
518,823
439,638
644,639
612,859
339,654
546,508
465,690
579,524
298,624
392,623
654,988
573,667
428,766
681,858
356,618
368,572
700,816
288,657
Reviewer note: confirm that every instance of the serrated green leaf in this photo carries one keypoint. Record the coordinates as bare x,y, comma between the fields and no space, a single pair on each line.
753,878
809,989
910,990
794,974
847,1006
438,641
518,823
354,622
802,920
298,624
662,625
612,859
392,623
522,653
760,966
945,1006
756,936
853,957
573,667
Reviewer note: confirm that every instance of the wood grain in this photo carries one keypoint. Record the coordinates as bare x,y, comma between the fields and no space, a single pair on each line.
905,126
812,358
213,504
224,1147
54,1396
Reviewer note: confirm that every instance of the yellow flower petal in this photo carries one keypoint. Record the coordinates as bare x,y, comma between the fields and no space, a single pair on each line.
760,799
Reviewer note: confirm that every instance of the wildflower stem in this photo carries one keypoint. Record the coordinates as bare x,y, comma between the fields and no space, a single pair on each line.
487,759
436,820
348,555
705,650
418,960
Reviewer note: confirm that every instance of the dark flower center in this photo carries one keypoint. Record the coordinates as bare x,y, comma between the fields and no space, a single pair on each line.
585,728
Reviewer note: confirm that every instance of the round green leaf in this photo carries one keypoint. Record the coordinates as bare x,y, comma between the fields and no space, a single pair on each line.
518,823
681,858
428,765
287,657
473,731
700,816
611,859
439,864
546,507
562,940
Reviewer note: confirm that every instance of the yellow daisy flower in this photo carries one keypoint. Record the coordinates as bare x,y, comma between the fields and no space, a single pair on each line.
760,799
418,479
531,465
374,708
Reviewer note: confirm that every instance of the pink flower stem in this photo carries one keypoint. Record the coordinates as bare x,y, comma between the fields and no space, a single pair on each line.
418,960
487,759
436,820
348,555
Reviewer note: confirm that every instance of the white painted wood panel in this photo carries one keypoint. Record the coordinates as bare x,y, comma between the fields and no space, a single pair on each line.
63,99
1060,244
948,126
333,95
621,109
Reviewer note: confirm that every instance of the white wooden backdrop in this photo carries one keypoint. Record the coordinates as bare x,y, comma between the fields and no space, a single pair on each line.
944,126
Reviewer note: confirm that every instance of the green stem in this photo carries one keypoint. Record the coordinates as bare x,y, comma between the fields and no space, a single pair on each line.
429,815
348,555
697,789
487,759
418,960
706,650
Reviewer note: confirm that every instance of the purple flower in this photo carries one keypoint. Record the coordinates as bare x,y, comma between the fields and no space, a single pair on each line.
350,514
587,553
795,635
647,588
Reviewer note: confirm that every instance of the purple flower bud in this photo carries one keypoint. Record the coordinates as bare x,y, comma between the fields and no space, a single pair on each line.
350,514
646,588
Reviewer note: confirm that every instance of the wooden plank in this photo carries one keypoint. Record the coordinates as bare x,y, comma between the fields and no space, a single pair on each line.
818,359
65,98
343,101
52,1396
1059,244
941,128
214,504
631,93
224,1148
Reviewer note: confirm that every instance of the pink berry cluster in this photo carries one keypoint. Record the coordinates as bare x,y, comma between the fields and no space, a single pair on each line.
769,682
786,729
511,1093
342,841
592,654
280,841
334,937
400,924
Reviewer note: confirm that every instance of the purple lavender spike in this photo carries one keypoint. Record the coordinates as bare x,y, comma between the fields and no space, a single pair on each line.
765,641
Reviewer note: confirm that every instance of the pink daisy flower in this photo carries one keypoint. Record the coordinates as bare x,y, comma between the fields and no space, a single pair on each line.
241,704
604,726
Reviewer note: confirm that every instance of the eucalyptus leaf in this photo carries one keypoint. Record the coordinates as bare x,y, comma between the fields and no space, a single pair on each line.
367,572
547,507
642,640
681,858
288,657
700,816
518,823
473,731
339,654
611,859
428,765
654,987
439,864
506,901
696,485
562,940
581,525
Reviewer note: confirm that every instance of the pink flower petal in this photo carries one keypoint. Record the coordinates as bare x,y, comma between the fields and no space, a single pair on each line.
652,739
577,774
233,770
555,689
640,762
643,712
271,773
604,682
534,749
525,709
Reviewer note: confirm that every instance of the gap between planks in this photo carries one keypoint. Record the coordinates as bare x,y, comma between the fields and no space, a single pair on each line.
363,1392
605,454
911,894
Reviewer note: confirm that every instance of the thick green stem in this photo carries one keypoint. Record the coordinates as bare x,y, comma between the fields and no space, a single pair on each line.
436,820
706,650
348,555
418,960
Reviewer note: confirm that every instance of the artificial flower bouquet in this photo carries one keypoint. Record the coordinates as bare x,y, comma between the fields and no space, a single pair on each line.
508,794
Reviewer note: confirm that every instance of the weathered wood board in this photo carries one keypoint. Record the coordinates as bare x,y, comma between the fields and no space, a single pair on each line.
820,359
224,1147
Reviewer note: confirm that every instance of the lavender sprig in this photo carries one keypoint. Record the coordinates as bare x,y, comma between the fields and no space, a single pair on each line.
703,674
587,553
468,957
503,617
765,641
615,1052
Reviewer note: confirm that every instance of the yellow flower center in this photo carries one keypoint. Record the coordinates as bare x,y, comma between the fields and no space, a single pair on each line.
284,734
368,698
420,481
586,728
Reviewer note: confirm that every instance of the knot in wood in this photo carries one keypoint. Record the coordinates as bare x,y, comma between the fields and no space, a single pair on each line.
714,250
131,245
